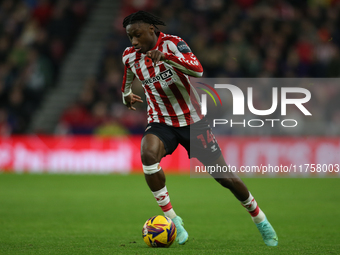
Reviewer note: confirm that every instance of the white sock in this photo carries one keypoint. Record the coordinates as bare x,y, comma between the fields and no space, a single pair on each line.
254,210
171,213
163,200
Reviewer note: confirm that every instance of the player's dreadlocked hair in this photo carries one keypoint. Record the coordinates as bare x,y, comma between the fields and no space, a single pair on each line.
142,16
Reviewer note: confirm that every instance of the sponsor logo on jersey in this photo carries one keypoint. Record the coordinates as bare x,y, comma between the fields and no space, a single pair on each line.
166,74
160,77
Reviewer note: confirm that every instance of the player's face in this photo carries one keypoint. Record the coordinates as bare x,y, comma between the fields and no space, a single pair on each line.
142,36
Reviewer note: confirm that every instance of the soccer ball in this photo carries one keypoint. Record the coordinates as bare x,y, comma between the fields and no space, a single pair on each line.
159,231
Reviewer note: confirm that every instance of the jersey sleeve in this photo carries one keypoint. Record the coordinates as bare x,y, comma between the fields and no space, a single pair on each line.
127,78
183,59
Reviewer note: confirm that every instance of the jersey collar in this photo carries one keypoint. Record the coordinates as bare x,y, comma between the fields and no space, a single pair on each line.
160,36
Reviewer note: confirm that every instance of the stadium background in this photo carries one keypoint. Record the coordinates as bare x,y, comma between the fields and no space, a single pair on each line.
61,112
61,75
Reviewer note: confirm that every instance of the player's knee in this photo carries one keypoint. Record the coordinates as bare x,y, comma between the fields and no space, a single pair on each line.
151,169
149,157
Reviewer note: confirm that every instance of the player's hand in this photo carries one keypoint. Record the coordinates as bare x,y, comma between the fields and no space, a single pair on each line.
155,56
131,99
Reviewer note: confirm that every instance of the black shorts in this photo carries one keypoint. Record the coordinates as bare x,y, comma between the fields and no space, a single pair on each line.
198,136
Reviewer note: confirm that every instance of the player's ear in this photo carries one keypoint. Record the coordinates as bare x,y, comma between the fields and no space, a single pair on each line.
151,29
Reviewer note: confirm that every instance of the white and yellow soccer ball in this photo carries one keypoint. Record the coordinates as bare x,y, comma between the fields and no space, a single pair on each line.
159,231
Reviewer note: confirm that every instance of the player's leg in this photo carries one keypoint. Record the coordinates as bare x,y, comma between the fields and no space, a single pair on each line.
152,151
206,149
232,182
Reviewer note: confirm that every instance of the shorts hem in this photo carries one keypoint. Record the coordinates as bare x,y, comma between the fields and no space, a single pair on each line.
163,141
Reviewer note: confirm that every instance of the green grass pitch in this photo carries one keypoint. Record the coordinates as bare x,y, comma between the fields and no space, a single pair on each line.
104,214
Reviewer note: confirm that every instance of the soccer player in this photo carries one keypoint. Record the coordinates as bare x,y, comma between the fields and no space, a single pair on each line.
163,64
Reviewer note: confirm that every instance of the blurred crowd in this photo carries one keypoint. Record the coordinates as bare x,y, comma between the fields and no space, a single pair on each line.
239,38
35,36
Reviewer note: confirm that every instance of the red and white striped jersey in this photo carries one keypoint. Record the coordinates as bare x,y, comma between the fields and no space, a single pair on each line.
170,96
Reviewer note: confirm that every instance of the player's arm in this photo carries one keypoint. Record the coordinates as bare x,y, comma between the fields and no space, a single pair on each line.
128,97
181,58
